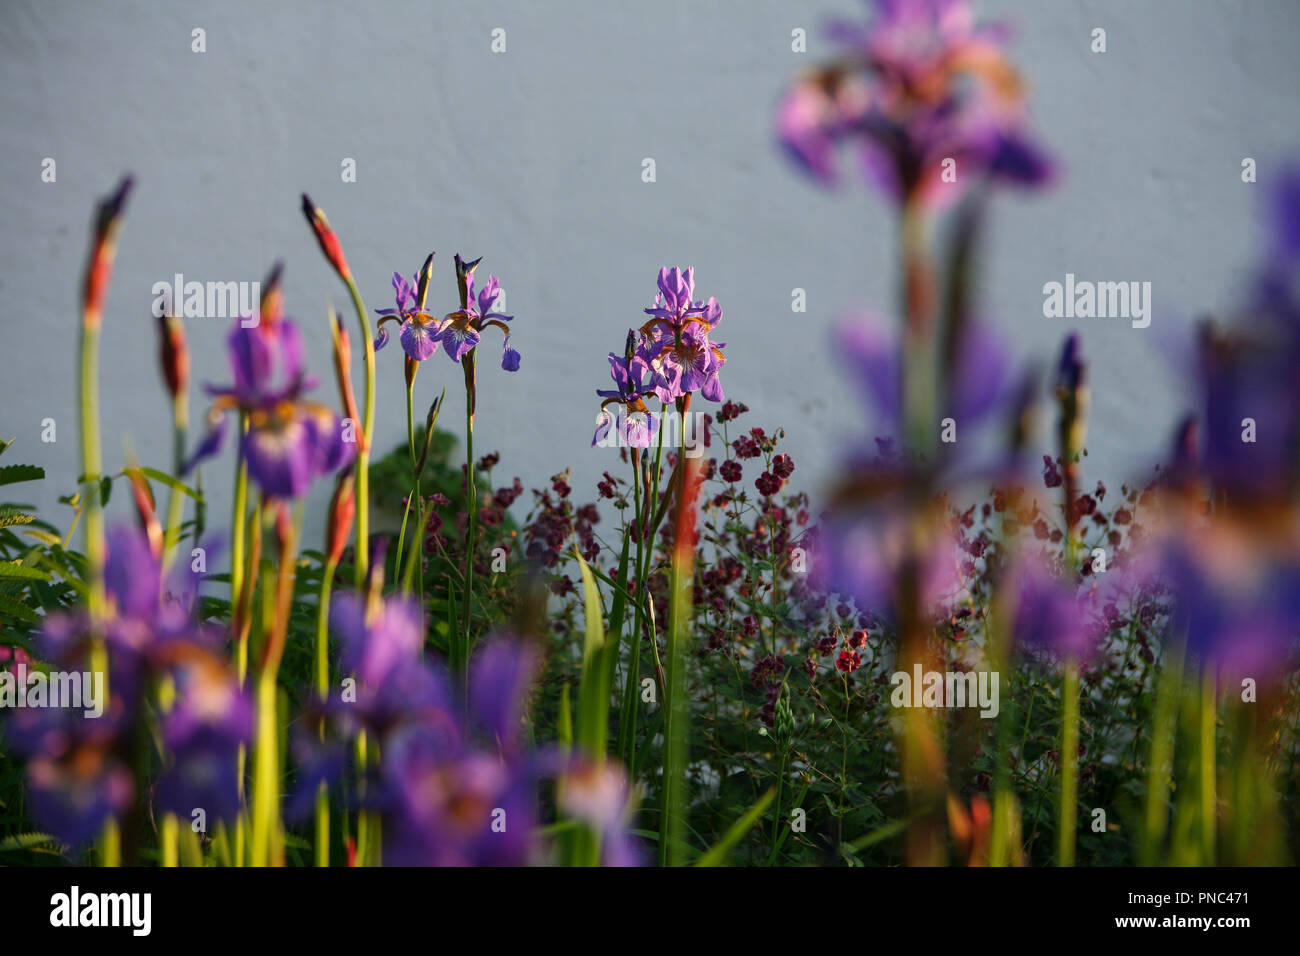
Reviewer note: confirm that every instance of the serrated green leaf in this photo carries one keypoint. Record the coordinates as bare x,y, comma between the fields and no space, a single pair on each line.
27,841
12,569
17,609
12,474
10,517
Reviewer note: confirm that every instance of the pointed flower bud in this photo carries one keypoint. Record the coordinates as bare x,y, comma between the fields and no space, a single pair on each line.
174,355
463,272
271,308
422,283
343,509
108,222
329,242
343,370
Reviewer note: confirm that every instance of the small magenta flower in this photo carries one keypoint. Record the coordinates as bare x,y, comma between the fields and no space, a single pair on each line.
290,441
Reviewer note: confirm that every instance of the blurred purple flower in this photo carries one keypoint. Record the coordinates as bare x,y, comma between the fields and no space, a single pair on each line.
919,86
80,767
290,441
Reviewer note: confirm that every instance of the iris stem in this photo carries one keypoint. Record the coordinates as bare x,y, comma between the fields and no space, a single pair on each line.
176,503
628,720
266,840
322,692
471,499
367,432
1209,719
169,837
1069,764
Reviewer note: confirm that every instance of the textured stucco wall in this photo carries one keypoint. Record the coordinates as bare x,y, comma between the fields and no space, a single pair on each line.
532,158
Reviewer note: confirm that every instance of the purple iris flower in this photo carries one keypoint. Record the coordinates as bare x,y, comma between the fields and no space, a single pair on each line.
1234,596
290,440
384,652
919,85
418,329
637,425
457,784
676,346
462,330
79,766
1053,616
981,388
867,542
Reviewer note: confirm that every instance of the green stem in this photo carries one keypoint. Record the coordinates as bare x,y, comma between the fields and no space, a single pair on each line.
367,432
1069,764
322,691
176,503
471,499
169,837
1209,718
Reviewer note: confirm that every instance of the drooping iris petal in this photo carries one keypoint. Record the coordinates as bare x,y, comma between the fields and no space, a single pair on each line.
211,445
457,339
498,689
604,421
418,340
509,357
132,573
281,457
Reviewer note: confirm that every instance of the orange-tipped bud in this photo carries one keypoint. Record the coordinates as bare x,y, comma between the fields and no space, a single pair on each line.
343,509
99,270
329,242
174,355
146,509
343,372
271,308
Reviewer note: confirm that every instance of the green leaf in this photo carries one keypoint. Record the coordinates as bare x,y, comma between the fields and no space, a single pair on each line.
28,841
176,485
18,609
12,474
105,490
45,537
12,569
593,688
11,516
717,856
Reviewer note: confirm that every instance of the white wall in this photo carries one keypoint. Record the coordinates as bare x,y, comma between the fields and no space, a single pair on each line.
532,159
